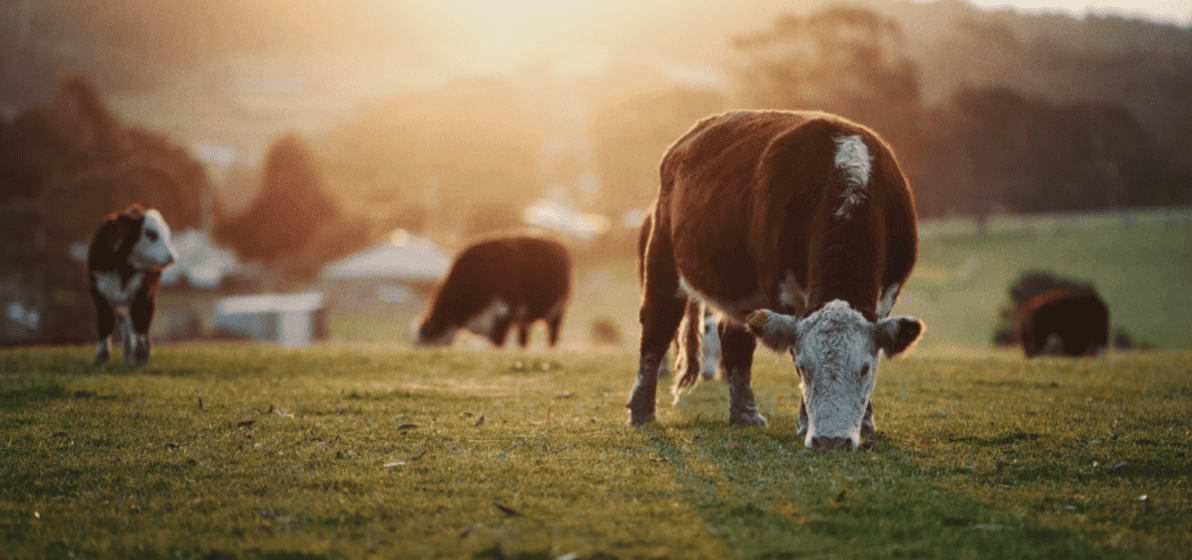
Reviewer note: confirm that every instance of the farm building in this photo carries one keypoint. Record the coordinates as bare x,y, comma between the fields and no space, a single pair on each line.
287,319
394,277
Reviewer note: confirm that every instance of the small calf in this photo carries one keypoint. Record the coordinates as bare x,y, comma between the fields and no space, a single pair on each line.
124,264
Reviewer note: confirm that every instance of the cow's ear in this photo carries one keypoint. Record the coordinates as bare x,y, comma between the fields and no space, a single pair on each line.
777,331
896,335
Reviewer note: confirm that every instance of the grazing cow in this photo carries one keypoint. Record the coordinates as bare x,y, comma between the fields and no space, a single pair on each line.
798,229
697,331
497,282
1070,321
124,265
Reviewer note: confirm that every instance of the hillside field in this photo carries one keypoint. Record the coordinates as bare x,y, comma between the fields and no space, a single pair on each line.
1140,262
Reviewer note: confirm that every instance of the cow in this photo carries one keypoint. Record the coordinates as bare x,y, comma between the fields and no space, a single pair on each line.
124,264
797,229
697,331
1072,321
497,282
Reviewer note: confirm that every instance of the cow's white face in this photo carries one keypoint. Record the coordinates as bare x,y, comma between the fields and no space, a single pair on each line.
835,351
153,247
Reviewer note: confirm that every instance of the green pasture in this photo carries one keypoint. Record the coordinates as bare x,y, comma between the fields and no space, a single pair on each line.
381,451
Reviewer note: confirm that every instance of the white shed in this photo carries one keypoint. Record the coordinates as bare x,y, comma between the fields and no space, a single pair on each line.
288,319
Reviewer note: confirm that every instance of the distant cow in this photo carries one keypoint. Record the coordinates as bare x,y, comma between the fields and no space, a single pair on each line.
496,283
1070,321
698,332
124,265
799,229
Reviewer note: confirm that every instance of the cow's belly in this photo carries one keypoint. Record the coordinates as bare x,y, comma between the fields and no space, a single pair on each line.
484,321
732,308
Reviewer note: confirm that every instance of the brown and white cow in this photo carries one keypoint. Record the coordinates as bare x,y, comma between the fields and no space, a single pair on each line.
124,264
498,282
798,229
1071,321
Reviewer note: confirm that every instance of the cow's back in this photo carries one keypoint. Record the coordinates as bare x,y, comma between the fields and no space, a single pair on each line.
523,271
750,197
545,274
1077,315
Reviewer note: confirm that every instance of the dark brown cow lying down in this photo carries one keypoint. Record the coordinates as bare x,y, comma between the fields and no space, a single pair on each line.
1071,321
496,283
798,229
124,265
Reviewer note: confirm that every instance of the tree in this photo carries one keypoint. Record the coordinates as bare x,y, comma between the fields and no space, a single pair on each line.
471,142
844,60
629,137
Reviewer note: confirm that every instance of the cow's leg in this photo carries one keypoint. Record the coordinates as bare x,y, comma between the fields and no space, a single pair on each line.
687,356
500,330
523,333
736,358
106,322
140,318
552,330
662,309
709,346
128,340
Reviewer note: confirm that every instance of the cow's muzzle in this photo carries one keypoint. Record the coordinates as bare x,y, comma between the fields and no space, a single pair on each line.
825,443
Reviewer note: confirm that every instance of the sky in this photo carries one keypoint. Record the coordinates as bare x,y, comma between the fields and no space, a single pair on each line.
1178,12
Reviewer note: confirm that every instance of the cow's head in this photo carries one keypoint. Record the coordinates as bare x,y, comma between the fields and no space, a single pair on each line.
835,352
432,332
152,247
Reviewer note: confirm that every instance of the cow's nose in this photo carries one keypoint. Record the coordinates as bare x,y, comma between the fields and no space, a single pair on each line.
824,443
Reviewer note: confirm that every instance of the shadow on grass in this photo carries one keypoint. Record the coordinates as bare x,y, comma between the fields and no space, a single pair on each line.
18,392
1010,438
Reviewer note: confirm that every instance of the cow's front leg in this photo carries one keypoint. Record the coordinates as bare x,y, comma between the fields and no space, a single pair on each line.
140,318
736,358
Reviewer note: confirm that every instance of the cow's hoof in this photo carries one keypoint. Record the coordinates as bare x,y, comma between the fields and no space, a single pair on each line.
637,420
747,419
100,359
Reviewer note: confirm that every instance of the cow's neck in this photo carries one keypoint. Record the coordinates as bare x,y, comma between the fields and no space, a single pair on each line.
846,265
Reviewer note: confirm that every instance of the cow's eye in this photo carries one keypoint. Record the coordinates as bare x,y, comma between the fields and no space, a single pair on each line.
864,370
151,235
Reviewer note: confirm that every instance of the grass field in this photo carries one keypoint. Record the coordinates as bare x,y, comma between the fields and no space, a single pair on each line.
224,451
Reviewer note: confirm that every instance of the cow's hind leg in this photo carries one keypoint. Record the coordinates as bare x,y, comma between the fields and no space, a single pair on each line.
662,308
736,358
523,333
710,346
500,331
553,325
